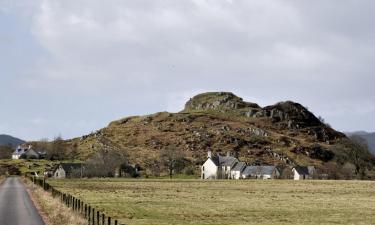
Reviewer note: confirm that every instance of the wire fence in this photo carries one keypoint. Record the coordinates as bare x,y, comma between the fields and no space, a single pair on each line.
93,216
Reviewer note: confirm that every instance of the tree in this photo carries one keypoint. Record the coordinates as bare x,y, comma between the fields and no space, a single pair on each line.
57,149
173,160
105,163
5,152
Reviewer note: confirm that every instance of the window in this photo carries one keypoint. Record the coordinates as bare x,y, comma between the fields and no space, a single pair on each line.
203,168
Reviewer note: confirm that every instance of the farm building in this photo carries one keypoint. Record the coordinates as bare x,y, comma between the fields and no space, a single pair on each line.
228,167
27,152
261,172
303,172
68,170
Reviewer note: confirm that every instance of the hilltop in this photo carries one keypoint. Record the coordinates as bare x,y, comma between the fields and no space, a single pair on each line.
10,141
284,134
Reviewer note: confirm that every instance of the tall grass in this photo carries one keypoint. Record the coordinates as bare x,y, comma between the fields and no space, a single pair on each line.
53,211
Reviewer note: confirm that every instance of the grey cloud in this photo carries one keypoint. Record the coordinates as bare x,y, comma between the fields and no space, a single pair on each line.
137,57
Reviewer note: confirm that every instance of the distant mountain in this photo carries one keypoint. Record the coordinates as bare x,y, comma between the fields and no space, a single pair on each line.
9,140
369,137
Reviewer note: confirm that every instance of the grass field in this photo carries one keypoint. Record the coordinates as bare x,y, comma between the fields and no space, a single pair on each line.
228,202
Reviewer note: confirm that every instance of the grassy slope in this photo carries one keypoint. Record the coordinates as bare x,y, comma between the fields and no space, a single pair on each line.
137,202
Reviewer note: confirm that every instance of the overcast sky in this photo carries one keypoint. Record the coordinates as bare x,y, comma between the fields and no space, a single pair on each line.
71,66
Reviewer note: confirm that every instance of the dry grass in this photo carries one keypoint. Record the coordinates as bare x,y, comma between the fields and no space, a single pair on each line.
141,202
52,210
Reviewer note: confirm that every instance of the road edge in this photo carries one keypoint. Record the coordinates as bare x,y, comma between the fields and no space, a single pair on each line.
42,213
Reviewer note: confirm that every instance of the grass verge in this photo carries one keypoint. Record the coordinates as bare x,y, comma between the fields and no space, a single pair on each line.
51,209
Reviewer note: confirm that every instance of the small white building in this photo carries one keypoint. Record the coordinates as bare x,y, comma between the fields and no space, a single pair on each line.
218,167
237,170
303,172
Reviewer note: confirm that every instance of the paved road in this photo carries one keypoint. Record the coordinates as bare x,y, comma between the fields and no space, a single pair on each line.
16,208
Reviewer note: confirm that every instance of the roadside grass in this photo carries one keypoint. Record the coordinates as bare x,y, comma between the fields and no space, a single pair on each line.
149,201
52,210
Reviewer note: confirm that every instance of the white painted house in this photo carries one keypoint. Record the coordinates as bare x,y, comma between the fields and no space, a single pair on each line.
303,172
228,167
26,150
218,167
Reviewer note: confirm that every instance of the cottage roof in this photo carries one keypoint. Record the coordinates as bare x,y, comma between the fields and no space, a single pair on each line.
251,170
267,169
68,167
240,166
224,160
19,151
259,170
302,170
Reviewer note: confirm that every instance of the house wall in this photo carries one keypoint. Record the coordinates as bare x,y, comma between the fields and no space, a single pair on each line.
209,170
298,176
15,156
236,175
60,173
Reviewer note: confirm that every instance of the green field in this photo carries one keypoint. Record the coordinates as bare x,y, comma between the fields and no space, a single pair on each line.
228,202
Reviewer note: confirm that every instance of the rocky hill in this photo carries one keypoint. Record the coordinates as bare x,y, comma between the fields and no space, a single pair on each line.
10,141
283,134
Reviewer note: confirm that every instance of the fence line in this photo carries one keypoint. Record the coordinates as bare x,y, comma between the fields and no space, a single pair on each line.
77,205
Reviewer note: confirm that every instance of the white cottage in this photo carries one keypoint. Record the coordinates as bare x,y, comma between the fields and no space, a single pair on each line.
303,172
218,167
25,151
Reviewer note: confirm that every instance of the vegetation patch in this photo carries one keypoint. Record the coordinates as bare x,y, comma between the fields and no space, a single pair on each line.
145,201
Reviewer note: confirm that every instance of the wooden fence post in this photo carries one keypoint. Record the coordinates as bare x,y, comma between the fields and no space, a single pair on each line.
93,216
109,220
97,217
103,219
89,216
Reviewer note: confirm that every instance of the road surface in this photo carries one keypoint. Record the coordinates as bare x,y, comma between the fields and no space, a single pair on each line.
16,208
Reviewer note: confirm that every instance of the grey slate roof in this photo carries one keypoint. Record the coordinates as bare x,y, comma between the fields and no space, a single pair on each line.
302,170
19,151
240,166
251,170
259,170
224,160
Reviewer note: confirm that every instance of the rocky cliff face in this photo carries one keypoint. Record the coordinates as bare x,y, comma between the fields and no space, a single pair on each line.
284,134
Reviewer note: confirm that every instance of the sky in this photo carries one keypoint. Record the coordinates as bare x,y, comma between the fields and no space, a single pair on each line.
69,67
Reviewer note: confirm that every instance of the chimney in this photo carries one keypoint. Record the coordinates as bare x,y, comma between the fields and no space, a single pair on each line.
209,154
228,153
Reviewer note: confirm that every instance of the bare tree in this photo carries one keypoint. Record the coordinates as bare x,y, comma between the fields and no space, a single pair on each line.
57,149
105,163
173,160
